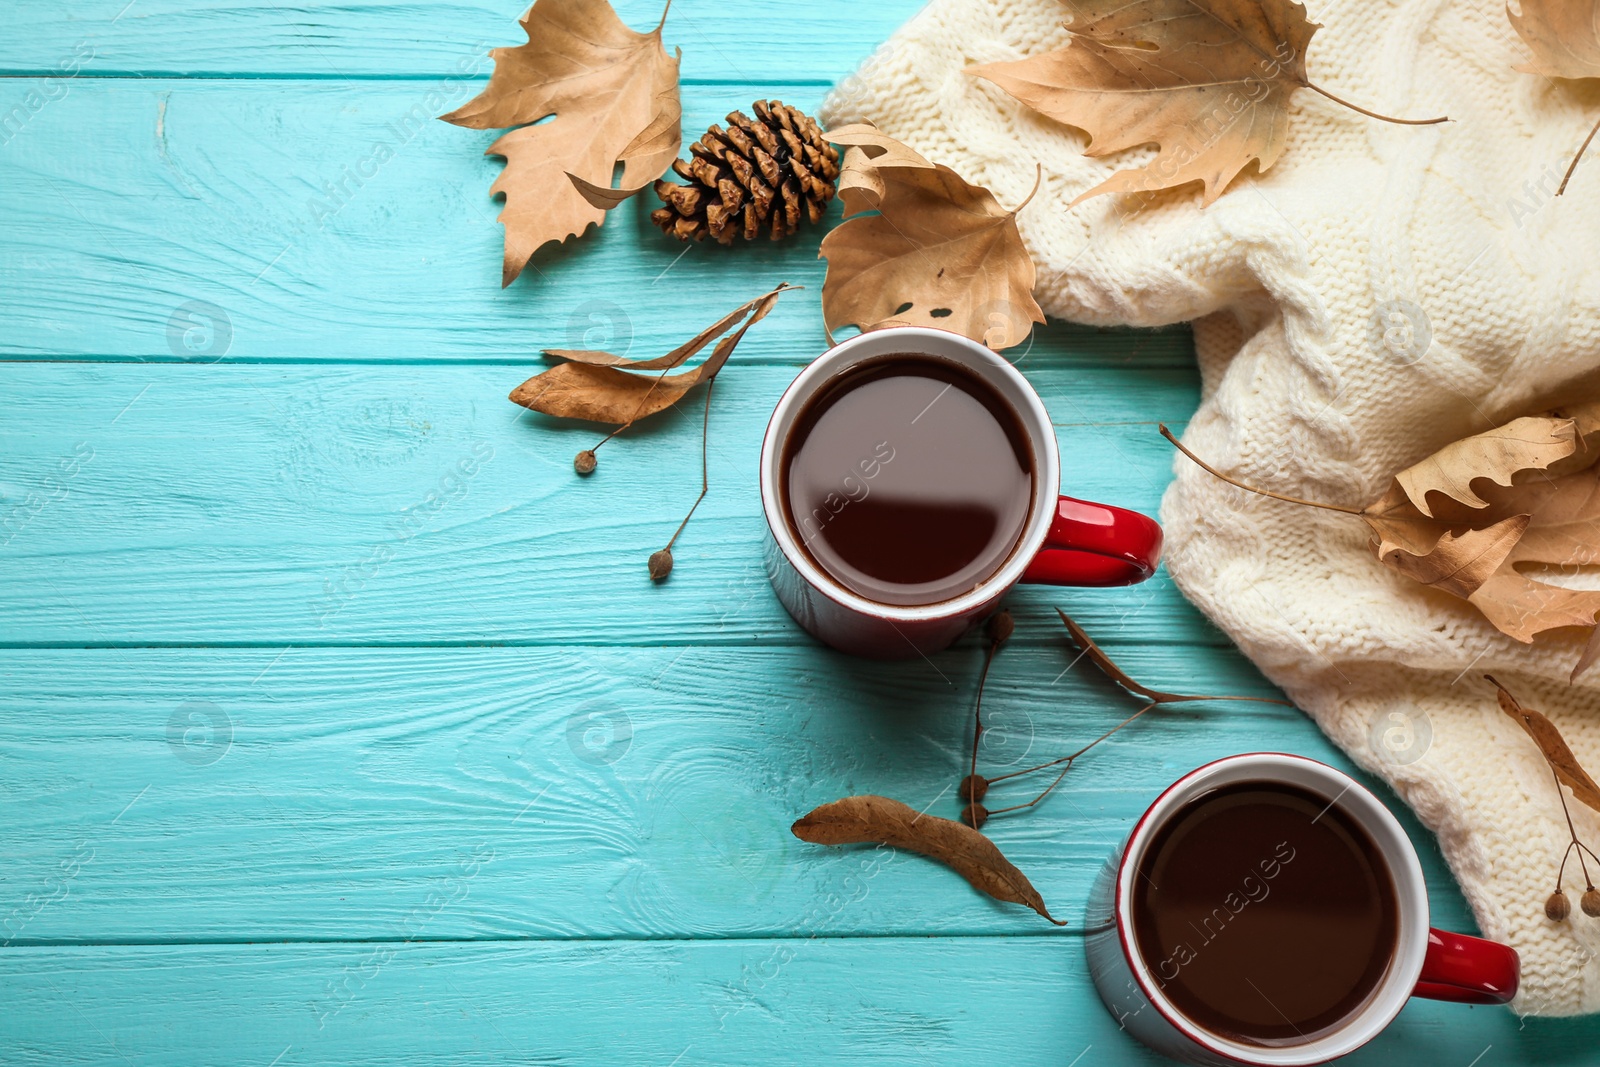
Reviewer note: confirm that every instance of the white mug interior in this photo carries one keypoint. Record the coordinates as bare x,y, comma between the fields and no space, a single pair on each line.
1005,379
1411,899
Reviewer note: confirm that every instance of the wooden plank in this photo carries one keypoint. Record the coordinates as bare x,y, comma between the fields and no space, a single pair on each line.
320,220
196,795
877,1001
720,39
275,505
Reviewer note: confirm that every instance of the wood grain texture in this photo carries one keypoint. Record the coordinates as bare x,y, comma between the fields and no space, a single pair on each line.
332,221
301,505
872,1001
328,794
347,39
326,221
434,774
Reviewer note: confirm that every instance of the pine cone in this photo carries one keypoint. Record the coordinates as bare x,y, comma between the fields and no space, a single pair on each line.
770,171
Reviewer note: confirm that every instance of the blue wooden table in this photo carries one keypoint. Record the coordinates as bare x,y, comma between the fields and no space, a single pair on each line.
339,721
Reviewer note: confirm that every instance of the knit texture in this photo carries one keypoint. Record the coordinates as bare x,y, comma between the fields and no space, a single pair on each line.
1381,291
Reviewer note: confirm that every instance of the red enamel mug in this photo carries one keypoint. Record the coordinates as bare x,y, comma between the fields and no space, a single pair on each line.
1426,962
1064,541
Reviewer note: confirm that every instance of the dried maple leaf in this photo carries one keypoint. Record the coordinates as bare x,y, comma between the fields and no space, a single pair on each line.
1482,518
614,97
1551,745
939,251
863,819
1208,81
1564,36
594,386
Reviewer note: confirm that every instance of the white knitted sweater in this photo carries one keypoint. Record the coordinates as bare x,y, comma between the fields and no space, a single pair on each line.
1379,292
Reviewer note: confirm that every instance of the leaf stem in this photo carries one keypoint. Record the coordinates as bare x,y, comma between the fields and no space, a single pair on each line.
1574,164
977,723
1571,832
705,474
635,418
1374,114
1069,759
1250,488
1041,796
1038,180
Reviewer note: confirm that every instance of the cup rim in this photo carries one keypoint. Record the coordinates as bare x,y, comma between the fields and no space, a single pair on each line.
1013,387
1410,894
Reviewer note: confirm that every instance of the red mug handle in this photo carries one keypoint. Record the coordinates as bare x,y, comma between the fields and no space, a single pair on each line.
1467,970
1096,545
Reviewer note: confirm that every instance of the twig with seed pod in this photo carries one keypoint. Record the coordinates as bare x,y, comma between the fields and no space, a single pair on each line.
974,787
1569,772
608,388
661,558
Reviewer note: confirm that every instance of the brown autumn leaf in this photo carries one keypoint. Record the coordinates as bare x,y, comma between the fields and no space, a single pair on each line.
1208,81
1564,36
1495,456
1488,517
879,820
614,97
939,251
1098,657
1551,745
1483,516
596,387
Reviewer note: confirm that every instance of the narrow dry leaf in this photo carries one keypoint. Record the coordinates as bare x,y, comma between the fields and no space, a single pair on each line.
1098,657
1104,662
1564,36
879,820
593,385
1552,746
940,252
1208,81
614,97
1591,652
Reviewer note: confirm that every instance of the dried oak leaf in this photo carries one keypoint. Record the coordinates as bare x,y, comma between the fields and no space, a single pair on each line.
1482,516
1208,81
601,387
862,819
1552,745
938,251
1487,517
614,97
1564,36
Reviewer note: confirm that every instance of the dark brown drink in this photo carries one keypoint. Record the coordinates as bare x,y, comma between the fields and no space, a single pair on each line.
1265,913
908,480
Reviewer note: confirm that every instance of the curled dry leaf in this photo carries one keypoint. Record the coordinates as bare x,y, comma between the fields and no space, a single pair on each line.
614,97
1208,81
601,387
1097,656
1564,36
875,819
1085,644
939,251
1482,518
1551,745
